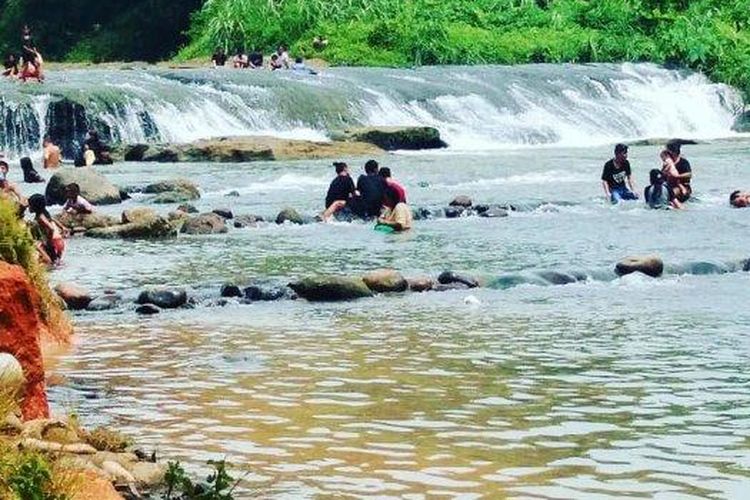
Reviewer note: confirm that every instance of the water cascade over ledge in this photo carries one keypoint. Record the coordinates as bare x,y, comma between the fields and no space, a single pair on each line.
475,108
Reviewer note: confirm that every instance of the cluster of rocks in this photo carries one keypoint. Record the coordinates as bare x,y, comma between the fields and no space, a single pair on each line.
101,455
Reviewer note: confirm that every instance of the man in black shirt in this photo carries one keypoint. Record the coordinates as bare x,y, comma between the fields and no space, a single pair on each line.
615,174
340,191
677,171
371,189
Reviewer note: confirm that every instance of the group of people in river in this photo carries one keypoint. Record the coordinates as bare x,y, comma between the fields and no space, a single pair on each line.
669,187
279,60
28,63
376,196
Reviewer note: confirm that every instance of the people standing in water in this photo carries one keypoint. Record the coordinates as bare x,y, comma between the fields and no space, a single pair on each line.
52,244
340,191
677,171
617,178
9,190
658,194
370,188
399,218
385,173
51,154
30,175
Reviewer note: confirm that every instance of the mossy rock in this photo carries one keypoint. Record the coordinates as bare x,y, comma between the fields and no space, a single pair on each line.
393,138
331,288
158,228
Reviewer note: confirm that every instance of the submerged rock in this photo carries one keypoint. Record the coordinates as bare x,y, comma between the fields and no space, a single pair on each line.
650,265
74,296
187,208
557,278
265,293
205,224
165,298
242,221
157,228
385,280
494,213
331,288
84,222
420,284
742,122
181,186
105,302
94,186
449,278
289,215
147,309
230,290
461,201
226,213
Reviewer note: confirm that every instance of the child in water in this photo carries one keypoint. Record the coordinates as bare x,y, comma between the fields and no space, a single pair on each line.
75,203
52,244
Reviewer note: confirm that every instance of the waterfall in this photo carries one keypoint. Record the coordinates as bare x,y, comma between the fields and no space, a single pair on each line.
475,108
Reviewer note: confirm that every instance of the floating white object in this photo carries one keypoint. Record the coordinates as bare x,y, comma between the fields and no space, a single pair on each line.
472,301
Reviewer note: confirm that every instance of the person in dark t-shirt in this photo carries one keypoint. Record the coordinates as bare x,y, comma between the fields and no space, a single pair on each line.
219,58
256,60
340,191
371,188
617,179
677,171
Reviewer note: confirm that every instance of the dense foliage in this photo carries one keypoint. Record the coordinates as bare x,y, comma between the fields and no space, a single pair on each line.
91,30
708,35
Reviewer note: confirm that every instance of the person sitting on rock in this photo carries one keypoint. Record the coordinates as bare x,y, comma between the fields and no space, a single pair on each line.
51,154
30,175
340,191
10,66
274,63
399,218
739,199
677,171
300,67
284,59
368,199
76,204
616,174
385,173
219,58
658,194
10,191
240,61
255,60
52,243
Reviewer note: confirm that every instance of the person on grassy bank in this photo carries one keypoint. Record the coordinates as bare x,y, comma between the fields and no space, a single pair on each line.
617,178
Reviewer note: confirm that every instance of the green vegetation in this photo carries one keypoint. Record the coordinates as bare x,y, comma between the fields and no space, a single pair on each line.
89,30
18,247
219,485
708,35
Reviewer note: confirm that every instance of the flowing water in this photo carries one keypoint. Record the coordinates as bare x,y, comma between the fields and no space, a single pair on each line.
605,388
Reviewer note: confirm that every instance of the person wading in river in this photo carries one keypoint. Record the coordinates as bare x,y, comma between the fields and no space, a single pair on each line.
340,191
658,194
677,171
616,174
51,154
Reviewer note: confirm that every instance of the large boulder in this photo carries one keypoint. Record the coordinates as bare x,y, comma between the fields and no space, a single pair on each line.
385,280
158,228
420,284
650,265
210,223
75,297
165,298
94,186
265,293
330,288
139,215
393,138
289,215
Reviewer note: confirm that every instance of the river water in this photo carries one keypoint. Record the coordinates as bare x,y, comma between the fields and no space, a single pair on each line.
606,388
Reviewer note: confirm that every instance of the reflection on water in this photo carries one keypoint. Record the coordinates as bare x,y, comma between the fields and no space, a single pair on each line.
601,389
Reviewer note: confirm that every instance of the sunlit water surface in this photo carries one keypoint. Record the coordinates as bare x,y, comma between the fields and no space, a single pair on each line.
609,388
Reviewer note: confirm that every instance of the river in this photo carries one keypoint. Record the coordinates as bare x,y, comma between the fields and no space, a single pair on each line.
605,388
